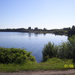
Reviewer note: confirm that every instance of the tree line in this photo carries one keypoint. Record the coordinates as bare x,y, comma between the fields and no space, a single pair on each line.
71,31
65,31
23,29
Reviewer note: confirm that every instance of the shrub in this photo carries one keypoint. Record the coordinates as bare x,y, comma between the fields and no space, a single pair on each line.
15,55
65,50
72,41
49,51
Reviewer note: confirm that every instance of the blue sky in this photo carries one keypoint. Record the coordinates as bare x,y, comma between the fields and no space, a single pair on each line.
51,14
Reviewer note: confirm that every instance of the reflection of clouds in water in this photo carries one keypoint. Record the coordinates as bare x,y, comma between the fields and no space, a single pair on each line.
29,38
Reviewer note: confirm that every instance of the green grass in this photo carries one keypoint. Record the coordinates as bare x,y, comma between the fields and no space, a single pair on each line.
50,64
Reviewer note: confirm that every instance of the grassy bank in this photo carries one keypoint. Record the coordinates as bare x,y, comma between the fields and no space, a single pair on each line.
13,59
51,64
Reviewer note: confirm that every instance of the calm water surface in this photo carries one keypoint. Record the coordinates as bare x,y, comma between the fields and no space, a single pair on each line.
29,41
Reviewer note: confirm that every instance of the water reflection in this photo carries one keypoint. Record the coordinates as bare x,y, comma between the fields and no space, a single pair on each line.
29,34
36,34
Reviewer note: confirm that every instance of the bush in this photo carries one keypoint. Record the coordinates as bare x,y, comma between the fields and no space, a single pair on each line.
72,41
49,51
65,50
15,55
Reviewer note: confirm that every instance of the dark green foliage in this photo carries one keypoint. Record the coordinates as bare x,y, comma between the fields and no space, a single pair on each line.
49,51
72,41
64,51
36,28
74,56
60,31
14,55
29,28
71,31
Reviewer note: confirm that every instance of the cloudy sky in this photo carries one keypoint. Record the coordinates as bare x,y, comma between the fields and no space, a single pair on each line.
50,14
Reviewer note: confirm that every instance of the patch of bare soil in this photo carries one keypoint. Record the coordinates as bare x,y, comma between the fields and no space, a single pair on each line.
41,72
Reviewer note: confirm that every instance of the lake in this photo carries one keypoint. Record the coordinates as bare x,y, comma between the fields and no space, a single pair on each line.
30,41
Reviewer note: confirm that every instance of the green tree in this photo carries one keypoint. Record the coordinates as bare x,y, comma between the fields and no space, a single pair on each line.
29,28
44,29
36,28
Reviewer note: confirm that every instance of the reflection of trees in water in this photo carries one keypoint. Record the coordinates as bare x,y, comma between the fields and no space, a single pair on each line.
44,34
29,34
36,34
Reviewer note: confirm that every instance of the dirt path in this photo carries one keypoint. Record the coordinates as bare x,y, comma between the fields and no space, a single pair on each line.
41,72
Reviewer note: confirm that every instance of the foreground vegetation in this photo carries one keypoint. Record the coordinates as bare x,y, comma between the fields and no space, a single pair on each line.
14,55
65,50
50,64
